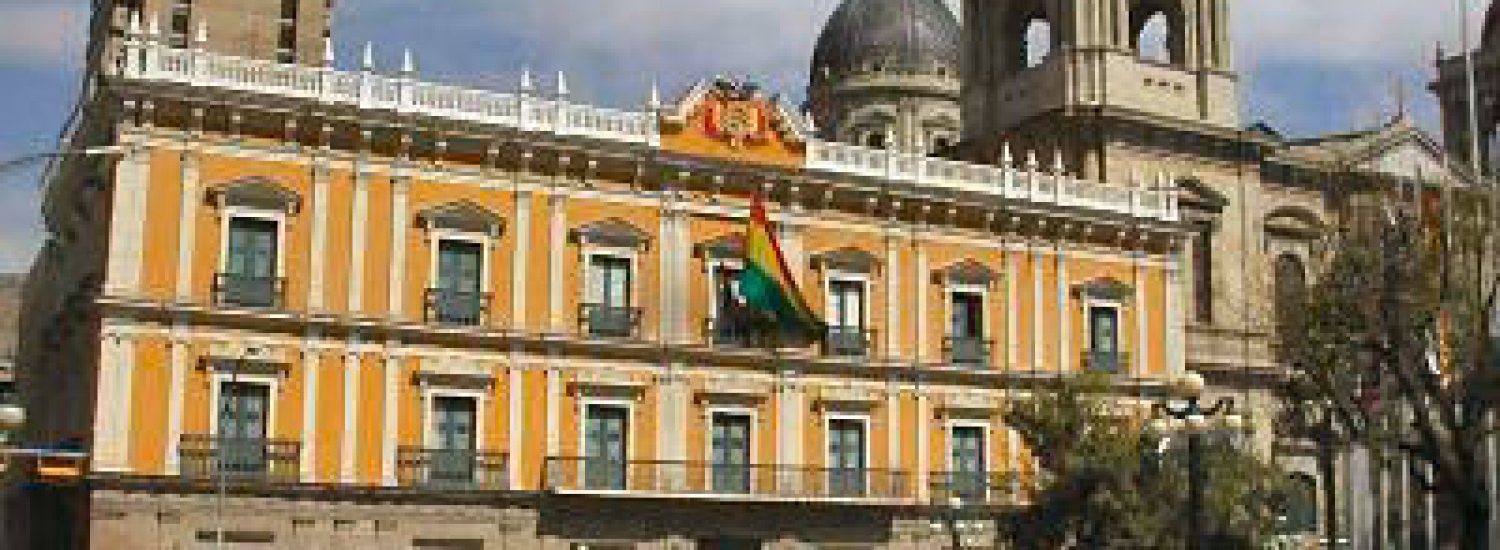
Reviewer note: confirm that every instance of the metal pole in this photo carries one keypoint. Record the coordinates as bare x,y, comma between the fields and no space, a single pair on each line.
1195,491
1470,88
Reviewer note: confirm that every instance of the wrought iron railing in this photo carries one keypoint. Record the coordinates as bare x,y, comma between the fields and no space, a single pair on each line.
609,321
732,333
252,291
848,341
457,307
237,458
703,478
459,469
975,487
968,351
1106,361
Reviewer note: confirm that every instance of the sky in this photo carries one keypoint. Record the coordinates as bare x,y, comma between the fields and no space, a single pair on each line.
1307,66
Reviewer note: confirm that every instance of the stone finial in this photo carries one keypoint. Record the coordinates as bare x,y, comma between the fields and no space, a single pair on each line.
655,101
367,62
1032,163
328,53
1006,158
526,84
135,23
408,62
202,37
562,84
1057,162
153,26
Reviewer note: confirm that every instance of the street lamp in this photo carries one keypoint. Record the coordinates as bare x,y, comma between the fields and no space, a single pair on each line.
1191,416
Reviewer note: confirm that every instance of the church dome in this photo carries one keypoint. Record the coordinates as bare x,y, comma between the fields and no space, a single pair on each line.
910,36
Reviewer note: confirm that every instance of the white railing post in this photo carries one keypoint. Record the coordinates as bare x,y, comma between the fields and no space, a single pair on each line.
523,91
406,96
326,74
560,117
366,85
154,44
1058,177
1007,171
1033,177
197,61
130,48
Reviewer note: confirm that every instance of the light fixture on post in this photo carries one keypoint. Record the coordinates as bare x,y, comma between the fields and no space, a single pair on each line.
1189,412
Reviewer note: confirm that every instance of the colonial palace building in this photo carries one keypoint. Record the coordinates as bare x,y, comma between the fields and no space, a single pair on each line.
293,305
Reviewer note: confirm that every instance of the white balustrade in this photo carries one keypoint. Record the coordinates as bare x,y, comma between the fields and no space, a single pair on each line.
152,61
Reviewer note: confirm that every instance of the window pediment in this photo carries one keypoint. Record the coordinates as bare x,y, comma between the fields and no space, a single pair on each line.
258,193
462,216
1105,289
1196,195
726,247
968,272
852,260
1294,222
612,232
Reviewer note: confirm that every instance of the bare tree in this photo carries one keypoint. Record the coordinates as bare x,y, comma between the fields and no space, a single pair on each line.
1391,344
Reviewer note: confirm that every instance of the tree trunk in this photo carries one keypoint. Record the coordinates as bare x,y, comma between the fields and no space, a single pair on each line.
1463,520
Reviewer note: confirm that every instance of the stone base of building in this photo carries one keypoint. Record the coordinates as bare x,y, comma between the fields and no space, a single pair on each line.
122,519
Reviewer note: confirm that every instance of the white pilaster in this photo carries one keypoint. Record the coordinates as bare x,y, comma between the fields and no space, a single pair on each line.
357,224
112,415
1142,317
350,434
667,299
516,434
391,411
400,188
1038,275
1175,296
673,415
893,296
520,262
924,442
893,426
311,361
1065,362
187,227
919,275
554,411
557,229
790,406
178,384
318,271
128,224
1012,310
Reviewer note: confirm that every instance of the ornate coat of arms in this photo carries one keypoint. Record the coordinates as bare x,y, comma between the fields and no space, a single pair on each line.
735,114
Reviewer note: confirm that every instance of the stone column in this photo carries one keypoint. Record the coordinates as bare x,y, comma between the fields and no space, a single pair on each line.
391,411
521,261
128,223
187,227
672,414
312,361
557,221
359,219
318,271
350,434
179,350
401,191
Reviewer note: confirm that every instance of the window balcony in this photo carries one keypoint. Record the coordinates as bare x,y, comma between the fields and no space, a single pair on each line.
848,341
240,459
729,332
590,475
454,469
978,488
457,308
606,321
968,351
250,291
1106,361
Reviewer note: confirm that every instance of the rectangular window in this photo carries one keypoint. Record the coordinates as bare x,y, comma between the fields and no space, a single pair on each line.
250,272
610,312
458,297
1203,275
730,320
847,335
181,23
846,457
1104,338
968,478
454,428
730,453
605,440
244,409
966,331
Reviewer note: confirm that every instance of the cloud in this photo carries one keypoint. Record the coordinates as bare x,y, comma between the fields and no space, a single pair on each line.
36,35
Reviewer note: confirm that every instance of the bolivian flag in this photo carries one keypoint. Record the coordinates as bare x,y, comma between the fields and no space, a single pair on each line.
767,284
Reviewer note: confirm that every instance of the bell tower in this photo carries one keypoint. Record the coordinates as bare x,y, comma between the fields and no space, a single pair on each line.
1052,73
286,31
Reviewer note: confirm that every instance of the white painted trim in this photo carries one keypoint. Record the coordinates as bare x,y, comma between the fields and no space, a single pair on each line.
175,397
791,407
1012,310
1176,329
710,413
557,244
321,209
592,251
429,431
273,393
400,224
1142,309
1065,359
231,212
924,444
187,226
893,297
516,430
391,411
715,265
312,362
985,440
359,219
435,239
128,224
585,403
349,444
986,331
863,279
922,288
554,412
520,261
864,420
1039,284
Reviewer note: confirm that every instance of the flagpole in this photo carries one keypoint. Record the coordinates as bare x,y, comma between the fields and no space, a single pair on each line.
1470,88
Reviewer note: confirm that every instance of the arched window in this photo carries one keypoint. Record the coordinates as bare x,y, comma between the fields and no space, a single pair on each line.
1038,44
1291,284
1153,41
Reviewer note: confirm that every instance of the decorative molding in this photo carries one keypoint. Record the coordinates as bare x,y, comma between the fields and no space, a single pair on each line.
848,260
1105,289
462,216
256,193
612,233
967,272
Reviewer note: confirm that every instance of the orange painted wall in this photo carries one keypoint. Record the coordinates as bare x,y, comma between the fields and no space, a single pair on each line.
150,382
163,225
371,421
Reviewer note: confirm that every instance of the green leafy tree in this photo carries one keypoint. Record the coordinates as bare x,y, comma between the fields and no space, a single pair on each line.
1106,482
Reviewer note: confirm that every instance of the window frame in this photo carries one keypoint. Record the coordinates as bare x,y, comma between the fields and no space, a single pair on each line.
226,222
436,238
429,416
587,403
632,256
273,391
985,447
983,292
1118,308
867,457
863,280
711,414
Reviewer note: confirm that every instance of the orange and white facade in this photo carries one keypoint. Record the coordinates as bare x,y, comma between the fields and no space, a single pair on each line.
347,306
